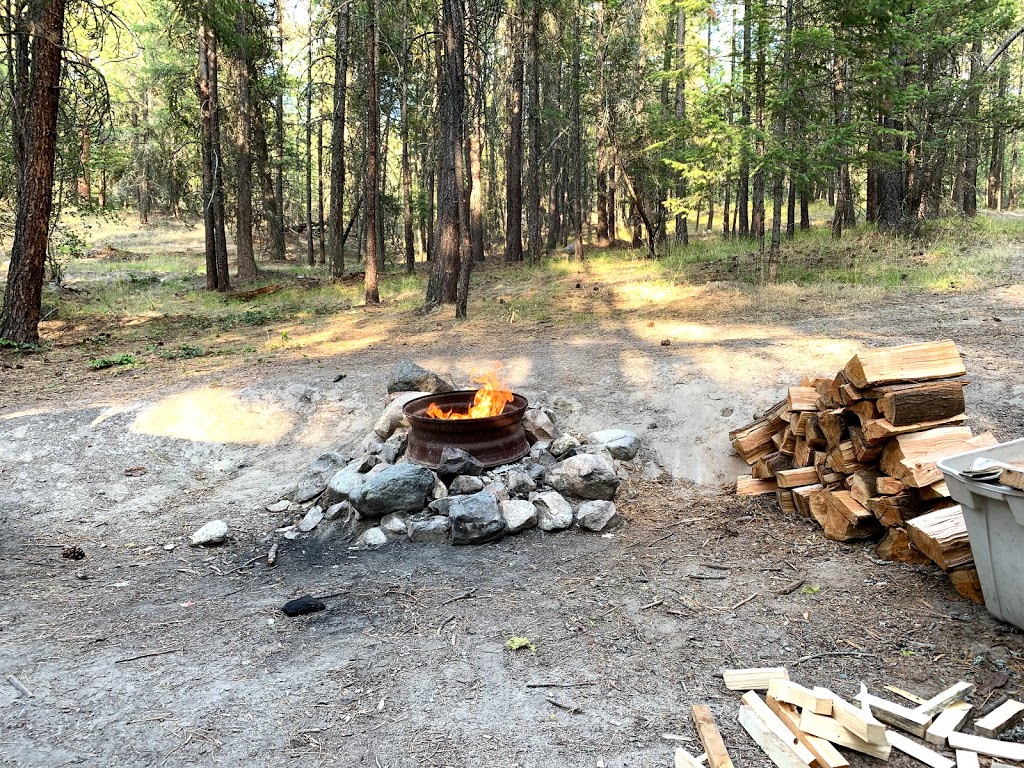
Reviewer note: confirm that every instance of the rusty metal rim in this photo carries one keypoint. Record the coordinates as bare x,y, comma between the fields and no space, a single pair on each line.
415,409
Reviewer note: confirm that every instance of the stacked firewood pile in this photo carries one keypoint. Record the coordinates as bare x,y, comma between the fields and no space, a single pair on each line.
858,452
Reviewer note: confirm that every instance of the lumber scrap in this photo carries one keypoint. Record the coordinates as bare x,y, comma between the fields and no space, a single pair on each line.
910,362
926,402
896,715
753,679
966,759
952,695
779,752
897,547
746,485
818,700
684,759
1002,718
920,752
774,725
1004,750
710,737
794,478
967,583
1013,477
942,535
860,723
825,755
948,720
830,729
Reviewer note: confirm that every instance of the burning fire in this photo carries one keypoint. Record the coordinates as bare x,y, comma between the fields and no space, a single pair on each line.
490,399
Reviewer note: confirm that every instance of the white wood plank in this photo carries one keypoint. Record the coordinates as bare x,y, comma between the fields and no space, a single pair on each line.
773,723
949,720
940,701
1000,719
920,752
991,747
965,759
777,750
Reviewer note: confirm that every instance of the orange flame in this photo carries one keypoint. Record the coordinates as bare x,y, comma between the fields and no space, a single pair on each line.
490,399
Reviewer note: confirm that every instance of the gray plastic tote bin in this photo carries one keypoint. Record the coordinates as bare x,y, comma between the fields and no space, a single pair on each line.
994,515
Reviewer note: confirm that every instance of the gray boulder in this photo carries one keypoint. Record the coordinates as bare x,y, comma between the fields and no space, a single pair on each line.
553,511
345,485
398,488
455,462
393,416
520,483
372,537
621,443
519,514
395,523
440,506
428,528
476,519
314,478
562,445
336,511
394,447
311,519
539,426
465,484
595,515
587,476
406,376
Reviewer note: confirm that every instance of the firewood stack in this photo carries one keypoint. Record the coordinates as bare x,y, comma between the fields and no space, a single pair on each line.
858,454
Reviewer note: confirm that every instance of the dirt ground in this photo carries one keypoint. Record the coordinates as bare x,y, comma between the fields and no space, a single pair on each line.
408,666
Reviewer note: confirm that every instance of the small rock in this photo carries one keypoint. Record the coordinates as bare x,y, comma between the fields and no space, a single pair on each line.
553,511
370,460
214,532
344,485
519,515
595,515
476,519
440,490
539,426
372,537
371,443
498,490
440,506
406,375
311,519
335,511
422,528
562,445
314,479
465,484
398,488
393,416
586,476
621,443
169,546
520,483
394,447
389,453
536,472
538,449
393,523
455,462
279,506
303,605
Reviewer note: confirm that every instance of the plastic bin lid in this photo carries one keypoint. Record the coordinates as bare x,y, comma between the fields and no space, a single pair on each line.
1010,452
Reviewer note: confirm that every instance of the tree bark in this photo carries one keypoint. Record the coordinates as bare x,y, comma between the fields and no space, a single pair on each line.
682,219
247,271
743,183
997,146
310,253
217,275
514,150
277,248
407,228
37,117
533,238
372,291
336,212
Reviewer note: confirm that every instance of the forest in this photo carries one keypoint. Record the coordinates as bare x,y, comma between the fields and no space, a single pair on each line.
413,135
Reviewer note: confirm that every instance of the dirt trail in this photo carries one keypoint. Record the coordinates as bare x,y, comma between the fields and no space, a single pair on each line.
408,666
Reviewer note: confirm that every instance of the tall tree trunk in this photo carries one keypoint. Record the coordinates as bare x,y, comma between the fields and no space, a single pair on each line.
514,150
277,248
372,290
682,223
477,77
36,118
613,227
779,174
407,229
443,285
271,214
757,215
243,157
336,212
310,253
533,134
577,136
743,188
972,150
997,148
213,188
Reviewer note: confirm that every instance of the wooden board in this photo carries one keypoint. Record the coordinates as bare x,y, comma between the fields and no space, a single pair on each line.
748,486
1002,718
942,535
829,729
951,695
825,755
927,402
861,724
896,715
753,679
966,759
772,723
710,737
919,751
909,362
950,719
992,747
1014,478
818,701
778,751
684,759
794,478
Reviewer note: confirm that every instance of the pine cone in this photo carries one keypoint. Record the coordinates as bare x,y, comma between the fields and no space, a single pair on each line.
73,553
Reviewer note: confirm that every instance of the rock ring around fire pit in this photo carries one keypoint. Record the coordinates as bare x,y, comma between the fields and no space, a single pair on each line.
492,440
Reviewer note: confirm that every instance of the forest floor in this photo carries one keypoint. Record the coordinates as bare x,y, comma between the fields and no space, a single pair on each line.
224,404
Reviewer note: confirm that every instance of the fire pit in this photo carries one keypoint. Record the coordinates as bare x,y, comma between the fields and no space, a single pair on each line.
491,440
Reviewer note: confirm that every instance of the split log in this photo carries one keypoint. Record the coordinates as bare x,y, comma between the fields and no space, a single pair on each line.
1014,478
803,454
896,546
813,434
928,402
911,458
861,449
846,520
942,535
898,509
865,410
889,486
767,466
785,499
967,584
910,362
802,399
833,426
802,499
794,478
756,436
864,485
748,486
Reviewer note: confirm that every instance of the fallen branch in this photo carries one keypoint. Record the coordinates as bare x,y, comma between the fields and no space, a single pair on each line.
567,706
559,685
148,655
20,686
858,654
460,597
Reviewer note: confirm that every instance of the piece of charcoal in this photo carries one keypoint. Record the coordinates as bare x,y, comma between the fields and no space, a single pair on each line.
303,605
